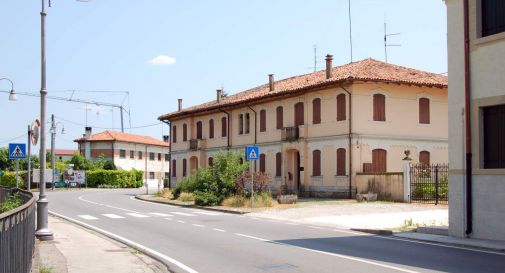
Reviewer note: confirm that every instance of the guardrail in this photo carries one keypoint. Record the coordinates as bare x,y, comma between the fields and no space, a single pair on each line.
17,234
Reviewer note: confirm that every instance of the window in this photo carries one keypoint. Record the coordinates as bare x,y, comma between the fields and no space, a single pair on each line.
151,156
184,163
494,137
263,120
140,155
211,161
341,113
174,134
132,154
379,160
379,107
316,111
316,163
278,164
262,163
492,17
424,157
424,111
159,156
167,157
280,117
211,128
299,119
224,127
247,123
199,130
122,153
340,162
167,175
240,124
184,132
151,175
174,168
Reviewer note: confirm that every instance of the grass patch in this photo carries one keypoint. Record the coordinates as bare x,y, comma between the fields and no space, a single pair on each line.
261,200
11,202
186,197
165,193
45,269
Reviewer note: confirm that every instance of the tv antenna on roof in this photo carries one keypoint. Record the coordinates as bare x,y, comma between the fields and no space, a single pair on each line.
386,45
315,67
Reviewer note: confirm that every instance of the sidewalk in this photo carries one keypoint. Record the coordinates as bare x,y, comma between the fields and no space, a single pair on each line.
77,250
498,246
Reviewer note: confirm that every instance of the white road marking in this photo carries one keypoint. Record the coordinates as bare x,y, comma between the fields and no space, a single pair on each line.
161,214
87,217
138,215
169,219
197,225
131,244
182,213
207,213
113,216
180,221
218,229
152,203
331,254
293,224
104,205
316,227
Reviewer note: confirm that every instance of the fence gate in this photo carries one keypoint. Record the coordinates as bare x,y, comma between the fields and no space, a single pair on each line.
429,183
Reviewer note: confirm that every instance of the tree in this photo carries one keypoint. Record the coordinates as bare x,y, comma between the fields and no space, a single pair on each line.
5,162
82,163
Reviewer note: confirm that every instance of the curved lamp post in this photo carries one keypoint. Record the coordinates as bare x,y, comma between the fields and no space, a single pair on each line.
12,93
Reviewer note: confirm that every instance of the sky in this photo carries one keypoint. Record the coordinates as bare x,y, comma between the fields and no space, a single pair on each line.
147,54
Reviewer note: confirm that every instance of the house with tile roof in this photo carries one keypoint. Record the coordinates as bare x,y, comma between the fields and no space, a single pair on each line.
128,151
317,131
64,154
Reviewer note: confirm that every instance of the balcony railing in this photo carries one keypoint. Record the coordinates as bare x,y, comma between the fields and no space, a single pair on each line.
196,144
290,133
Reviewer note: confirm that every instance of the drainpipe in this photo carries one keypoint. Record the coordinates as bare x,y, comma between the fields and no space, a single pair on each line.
468,134
169,152
255,133
228,133
350,140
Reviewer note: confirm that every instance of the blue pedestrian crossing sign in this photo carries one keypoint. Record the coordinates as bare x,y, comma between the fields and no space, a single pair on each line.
17,150
252,152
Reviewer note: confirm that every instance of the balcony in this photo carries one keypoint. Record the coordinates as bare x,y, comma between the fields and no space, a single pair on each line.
290,133
196,144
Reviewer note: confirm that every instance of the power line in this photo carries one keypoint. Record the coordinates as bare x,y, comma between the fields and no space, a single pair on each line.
107,128
12,139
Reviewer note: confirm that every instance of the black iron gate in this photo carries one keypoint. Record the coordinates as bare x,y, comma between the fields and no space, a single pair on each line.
429,183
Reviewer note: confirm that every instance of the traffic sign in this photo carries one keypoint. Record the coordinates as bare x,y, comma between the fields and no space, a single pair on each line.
17,150
252,153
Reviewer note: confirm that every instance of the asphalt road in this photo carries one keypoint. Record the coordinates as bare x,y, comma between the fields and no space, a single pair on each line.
193,240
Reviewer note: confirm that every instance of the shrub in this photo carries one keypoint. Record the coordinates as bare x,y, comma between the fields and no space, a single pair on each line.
11,202
9,179
115,179
235,201
206,198
186,185
261,181
165,193
186,197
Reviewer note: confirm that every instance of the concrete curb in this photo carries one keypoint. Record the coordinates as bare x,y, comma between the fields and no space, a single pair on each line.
383,232
139,197
454,244
118,239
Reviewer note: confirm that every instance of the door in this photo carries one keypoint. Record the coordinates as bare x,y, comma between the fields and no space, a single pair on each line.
297,171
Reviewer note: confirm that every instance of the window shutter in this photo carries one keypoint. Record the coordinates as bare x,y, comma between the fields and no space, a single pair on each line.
278,164
341,111
241,124
174,134
424,111
316,111
494,137
199,130
316,163
211,161
224,127
379,160
492,16
263,121
184,166
424,157
174,168
184,132
280,117
247,123
379,107
340,162
262,163
299,119
211,128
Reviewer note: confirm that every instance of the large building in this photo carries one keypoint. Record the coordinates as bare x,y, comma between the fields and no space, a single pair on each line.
316,131
476,48
128,151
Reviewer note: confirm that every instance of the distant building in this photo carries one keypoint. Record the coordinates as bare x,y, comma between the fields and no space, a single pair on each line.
476,185
64,154
128,151
317,131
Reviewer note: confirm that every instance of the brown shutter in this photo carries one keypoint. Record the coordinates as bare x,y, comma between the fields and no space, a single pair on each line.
280,117
174,168
278,164
340,162
424,157
424,111
316,111
262,163
263,121
299,119
341,112
211,128
211,161
379,107
379,160
184,132
199,130
241,124
224,127
316,163
174,134
247,123
494,136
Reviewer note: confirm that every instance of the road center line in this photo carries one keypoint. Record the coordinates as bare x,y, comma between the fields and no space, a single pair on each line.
104,205
218,229
197,225
330,254
180,221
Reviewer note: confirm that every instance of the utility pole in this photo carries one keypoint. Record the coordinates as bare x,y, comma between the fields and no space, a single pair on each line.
28,179
53,140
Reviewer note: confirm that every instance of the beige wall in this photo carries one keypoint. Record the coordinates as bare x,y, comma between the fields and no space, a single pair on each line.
387,186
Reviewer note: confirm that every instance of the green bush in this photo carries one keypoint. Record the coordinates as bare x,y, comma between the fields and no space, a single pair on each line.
186,185
206,199
427,191
113,179
11,202
186,197
9,179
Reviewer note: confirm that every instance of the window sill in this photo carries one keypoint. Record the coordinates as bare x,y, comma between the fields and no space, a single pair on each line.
488,39
341,176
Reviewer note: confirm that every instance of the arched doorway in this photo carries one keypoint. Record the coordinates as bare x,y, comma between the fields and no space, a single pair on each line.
193,164
293,170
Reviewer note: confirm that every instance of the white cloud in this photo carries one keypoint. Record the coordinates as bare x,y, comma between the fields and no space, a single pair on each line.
162,60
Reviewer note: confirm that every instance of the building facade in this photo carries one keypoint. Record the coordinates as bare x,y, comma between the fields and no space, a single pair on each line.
64,154
128,151
477,158
316,131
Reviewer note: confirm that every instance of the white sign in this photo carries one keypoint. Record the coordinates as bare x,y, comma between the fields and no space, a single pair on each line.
48,175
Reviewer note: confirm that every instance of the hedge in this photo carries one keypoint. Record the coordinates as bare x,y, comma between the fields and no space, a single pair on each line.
113,178
9,179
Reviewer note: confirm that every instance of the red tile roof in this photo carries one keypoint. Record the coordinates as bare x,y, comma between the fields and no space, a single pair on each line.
365,70
123,137
64,152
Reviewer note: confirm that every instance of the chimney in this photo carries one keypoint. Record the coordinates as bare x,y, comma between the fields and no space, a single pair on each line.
271,82
219,92
166,138
329,60
87,132
180,104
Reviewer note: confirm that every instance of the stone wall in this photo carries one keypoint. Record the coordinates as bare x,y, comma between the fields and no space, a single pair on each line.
387,186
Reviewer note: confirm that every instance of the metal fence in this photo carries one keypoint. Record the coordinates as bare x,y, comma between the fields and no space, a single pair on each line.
429,183
17,234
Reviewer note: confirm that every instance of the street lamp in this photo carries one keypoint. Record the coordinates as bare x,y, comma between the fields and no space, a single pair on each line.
12,93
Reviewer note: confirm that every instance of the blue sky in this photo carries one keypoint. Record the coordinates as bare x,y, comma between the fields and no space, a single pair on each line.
109,45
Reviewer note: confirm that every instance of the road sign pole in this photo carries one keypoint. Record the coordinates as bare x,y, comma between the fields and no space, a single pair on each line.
252,190
28,177
17,170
